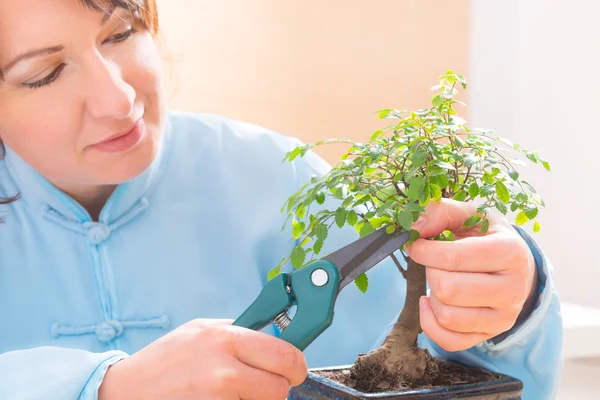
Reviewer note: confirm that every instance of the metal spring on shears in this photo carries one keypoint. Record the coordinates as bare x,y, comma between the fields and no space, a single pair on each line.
282,320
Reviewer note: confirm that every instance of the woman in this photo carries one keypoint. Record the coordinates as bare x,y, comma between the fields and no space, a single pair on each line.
138,234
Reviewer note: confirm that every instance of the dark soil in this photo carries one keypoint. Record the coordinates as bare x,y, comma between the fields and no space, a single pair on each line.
440,373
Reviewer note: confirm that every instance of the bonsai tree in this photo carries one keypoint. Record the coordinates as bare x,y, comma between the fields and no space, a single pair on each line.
423,156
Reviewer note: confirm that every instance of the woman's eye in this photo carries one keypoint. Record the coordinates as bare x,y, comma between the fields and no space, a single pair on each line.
48,79
120,37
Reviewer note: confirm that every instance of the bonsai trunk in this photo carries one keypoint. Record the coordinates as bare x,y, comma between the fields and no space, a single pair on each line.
399,358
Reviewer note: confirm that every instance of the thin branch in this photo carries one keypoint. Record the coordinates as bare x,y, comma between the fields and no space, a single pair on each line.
402,271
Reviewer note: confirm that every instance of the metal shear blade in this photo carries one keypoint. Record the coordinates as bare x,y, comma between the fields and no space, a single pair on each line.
363,254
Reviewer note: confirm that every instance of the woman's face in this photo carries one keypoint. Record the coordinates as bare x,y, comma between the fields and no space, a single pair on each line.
81,99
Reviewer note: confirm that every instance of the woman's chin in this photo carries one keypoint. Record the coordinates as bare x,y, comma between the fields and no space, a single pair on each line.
126,167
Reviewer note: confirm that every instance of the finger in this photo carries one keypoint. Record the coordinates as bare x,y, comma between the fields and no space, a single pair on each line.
491,253
471,289
260,350
470,319
204,322
447,339
447,214
256,384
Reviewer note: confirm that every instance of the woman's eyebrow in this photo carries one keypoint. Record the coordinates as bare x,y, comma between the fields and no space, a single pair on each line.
31,54
45,51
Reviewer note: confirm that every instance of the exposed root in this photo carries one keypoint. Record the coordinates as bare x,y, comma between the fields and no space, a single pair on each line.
383,369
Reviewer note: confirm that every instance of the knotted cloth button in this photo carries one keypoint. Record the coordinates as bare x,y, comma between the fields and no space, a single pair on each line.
98,233
107,331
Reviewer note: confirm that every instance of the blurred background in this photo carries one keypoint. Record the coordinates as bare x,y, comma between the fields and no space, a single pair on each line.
316,69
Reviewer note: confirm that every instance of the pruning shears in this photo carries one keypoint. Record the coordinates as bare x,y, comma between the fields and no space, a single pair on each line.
314,288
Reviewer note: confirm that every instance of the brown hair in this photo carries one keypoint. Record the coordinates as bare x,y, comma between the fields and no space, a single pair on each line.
147,12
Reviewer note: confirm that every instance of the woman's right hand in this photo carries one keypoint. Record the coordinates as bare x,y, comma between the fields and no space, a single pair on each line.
208,359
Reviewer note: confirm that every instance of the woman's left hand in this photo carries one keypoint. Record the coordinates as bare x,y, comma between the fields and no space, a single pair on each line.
479,283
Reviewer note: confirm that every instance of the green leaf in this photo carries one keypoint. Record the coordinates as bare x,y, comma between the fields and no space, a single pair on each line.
362,282
514,175
377,222
546,165
443,181
473,190
536,227
385,113
416,188
437,100
414,235
301,211
531,212
339,193
297,229
347,201
472,221
436,192
502,192
405,218
294,153
434,170
483,208
444,164
426,195
461,195
485,225
521,218
273,272
390,229
321,232
351,217
376,134
320,197
418,157
366,229
488,178
501,206
318,246
340,217
486,190
298,256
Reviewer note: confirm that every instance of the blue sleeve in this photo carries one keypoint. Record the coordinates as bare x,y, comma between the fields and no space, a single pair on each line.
54,373
531,352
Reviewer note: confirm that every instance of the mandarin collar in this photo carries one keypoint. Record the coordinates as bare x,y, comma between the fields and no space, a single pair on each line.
43,197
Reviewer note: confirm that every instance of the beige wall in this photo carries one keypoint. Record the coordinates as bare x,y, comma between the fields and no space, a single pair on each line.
313,68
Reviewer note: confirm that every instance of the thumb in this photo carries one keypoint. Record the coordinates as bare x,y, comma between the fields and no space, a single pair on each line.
448,215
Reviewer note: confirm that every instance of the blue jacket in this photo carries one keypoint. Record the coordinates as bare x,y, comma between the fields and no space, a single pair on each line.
193,237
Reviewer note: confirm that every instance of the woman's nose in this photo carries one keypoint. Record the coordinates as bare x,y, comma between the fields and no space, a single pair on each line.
109,94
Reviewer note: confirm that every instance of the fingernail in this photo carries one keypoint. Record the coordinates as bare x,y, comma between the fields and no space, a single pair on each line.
423,303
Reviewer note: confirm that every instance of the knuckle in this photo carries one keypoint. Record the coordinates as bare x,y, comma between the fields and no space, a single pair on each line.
518,252
445,316
224,379
444,290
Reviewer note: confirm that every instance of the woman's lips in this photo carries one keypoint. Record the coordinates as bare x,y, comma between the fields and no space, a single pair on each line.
122,141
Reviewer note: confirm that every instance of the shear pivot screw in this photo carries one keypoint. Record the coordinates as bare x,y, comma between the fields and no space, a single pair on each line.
319,277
